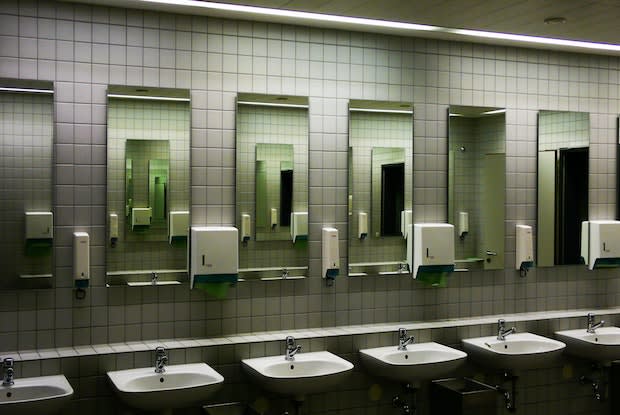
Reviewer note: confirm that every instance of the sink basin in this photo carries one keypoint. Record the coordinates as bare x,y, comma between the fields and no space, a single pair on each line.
421,361
518,351
602,346
37,395
311,372
179,386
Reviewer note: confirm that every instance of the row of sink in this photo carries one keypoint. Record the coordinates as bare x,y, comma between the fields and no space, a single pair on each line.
297,374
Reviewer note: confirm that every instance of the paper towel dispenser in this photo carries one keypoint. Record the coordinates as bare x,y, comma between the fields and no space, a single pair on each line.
213,254
432,251
601,243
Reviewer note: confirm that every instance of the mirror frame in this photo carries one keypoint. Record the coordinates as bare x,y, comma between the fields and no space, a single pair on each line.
388,266
33,278
161,275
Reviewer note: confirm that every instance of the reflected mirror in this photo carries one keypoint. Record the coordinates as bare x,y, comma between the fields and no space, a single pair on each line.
148,185
26,207
563,153
380,186
272,186
477,185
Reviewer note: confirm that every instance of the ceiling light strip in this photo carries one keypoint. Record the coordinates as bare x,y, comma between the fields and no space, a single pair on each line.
384,24
26,90
148,97
271,104
380,110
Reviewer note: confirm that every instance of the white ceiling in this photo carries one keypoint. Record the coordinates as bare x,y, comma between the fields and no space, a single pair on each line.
589,20
586,20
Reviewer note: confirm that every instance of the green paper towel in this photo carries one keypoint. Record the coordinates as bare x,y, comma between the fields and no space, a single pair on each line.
215,285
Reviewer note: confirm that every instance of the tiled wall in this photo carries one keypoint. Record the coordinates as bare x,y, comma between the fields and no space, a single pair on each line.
368,131
85,48
27,138
558,129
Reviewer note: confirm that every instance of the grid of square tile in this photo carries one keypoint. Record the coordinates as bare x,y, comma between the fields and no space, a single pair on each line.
85,48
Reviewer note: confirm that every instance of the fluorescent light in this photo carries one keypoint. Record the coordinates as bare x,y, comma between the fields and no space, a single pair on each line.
497,111
271,104
27,90
148,97
299,17
379,110
454,114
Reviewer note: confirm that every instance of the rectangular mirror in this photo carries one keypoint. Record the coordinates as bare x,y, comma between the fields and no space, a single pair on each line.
477,185
563,154
26,168
272,186
380,186
148,185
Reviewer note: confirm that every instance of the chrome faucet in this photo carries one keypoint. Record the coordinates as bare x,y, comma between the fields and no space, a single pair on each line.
502,332
160,360
291,348
9,372
154,278
284,274
592,326
403,339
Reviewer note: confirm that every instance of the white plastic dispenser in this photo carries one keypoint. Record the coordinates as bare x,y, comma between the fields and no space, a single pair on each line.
81,259
113,224
433,250
178,224
140,217
39,225
525,248
463,224
604,244
213,255
246,227
299,226
274,218
406,219
362,225
330,253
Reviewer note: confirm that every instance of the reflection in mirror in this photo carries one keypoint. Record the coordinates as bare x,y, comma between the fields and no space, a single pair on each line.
563,141
26,154
476,185
148,185
274,191
272,186
380,186
146,175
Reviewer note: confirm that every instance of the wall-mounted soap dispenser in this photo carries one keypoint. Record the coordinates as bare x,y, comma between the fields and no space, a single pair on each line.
524,249
330,253
431,256
81,259
463,224
406,219
362,225
246,227
273,218
603,243
113,224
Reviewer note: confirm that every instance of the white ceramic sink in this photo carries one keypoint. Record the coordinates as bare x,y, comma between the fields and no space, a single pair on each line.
179,386
38,395
518,351
421,361
311,372
601,346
